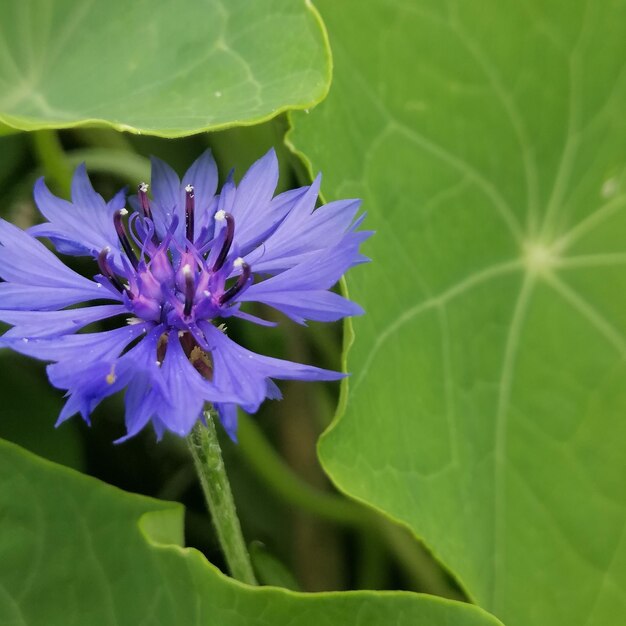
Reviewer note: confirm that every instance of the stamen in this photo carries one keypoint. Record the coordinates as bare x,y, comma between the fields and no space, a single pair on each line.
136,231
202,362
144,202
186,341
123,237
105,268
190,289
111,377
162,347
228,239
189,212
242,281
142,191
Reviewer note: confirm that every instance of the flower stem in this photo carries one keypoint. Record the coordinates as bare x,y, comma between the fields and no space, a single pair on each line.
52,157
278,477
207,457
128,166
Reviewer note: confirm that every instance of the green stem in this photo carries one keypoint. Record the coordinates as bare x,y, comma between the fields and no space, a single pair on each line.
128,166
262,458
105,138
53,160
207,457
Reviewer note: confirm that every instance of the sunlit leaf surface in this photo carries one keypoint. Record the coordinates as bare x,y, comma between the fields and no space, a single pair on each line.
75,551
487,406
162,68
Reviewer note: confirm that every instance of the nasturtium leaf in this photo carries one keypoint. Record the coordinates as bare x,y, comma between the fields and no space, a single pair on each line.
487,405
75,551
162,68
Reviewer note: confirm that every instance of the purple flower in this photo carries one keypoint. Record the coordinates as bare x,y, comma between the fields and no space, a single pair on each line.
173,270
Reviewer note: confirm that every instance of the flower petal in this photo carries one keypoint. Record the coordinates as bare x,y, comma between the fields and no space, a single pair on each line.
254,319
256,188
269,257
187,390
90,370
25,298
39,324
300,236
146,390
90,385
317,305
78,349
243,373
259,226
301,291
83,227
227,413
83,193
25,260
166,196
320,270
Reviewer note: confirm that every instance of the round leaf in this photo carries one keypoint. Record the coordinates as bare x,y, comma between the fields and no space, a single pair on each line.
160,68
487,404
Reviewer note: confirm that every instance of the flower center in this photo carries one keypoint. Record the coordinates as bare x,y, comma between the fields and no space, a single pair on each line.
171,283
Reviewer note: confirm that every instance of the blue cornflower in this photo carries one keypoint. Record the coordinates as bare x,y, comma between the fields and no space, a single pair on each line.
174,269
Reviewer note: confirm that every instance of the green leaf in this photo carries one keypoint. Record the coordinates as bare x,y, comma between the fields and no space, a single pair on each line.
487,405
269,569
152,67
74,551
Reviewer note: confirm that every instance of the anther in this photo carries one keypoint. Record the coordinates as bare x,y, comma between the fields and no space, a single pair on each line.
201,361
123,237
105,268
190,288
242,281
111,376
228,239
142,192
189,212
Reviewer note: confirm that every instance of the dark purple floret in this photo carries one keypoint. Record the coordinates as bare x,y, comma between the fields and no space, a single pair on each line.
242,282
229,233
123,237
105,269
144,203
189,208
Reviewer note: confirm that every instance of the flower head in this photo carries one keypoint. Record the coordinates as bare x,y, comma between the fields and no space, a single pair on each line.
173,269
